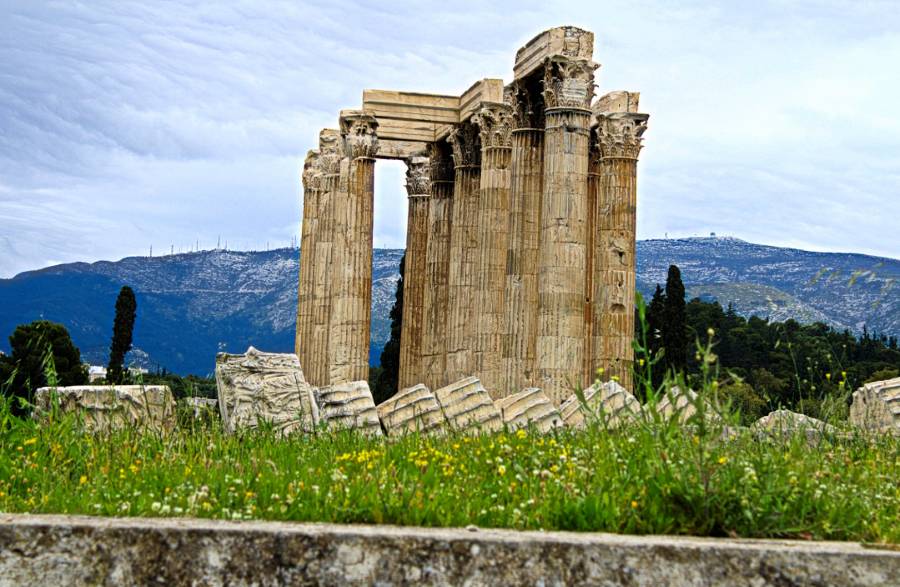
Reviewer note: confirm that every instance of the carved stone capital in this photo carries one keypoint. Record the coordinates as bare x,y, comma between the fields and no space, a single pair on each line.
311,174
418,176
441,162
495,124
330,151
619,134
359,131
466,144
568,82
527,105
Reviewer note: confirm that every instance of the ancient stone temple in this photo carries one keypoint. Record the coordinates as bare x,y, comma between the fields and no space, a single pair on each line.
520,252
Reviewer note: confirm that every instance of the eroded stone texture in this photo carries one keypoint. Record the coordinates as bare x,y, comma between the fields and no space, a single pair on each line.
202,407
529,408
468,406
349,405
785,423
683,406
876,406
611,403
414,409
106,407
76,550
259,387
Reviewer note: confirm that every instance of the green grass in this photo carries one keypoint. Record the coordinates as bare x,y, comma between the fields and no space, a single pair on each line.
651,478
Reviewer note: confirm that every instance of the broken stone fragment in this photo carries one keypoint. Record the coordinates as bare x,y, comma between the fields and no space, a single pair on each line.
530,407
414,409
468,406
107,407
876,406
349,405
202,407
258,387
785,423
610,402
682,405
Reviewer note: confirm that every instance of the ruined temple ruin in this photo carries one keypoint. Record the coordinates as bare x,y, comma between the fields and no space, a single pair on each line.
520,256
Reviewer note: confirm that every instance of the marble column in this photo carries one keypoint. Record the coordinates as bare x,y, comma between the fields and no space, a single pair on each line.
568,89
418,189
464,250
619,142
437,265
351,311
308,233
521,303
316,358
494,122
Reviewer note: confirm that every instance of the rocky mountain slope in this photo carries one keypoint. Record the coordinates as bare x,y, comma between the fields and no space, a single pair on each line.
192,305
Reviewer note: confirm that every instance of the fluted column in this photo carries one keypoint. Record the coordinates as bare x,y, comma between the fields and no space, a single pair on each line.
568,88
352,269
418,189
494,121
619,142
526,185
461,284
315,355
437,266
308,234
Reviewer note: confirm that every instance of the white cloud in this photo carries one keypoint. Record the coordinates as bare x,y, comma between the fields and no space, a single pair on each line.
124,125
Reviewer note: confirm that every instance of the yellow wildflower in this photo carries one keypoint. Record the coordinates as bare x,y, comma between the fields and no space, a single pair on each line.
82,480
30,441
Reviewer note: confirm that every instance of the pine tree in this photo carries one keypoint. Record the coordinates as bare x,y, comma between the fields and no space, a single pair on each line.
674,331
123,327
388,378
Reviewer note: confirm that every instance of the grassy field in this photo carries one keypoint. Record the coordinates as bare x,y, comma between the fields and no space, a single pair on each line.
650,478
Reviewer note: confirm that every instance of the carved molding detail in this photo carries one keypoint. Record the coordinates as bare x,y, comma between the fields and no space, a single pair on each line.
619,135
330,153
359,132
418,176
441,162
569,83
464,139
495,124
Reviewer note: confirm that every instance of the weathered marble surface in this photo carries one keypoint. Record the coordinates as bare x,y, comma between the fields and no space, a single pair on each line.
261,387
75,550
609,401
468,406
414,409
107,407
349,405
530,407
202,407
682,405
876,406
785,423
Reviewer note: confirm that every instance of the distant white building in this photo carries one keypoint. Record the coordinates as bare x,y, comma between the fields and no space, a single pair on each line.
96,372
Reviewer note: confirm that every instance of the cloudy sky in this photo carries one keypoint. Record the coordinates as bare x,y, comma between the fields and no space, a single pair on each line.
126,125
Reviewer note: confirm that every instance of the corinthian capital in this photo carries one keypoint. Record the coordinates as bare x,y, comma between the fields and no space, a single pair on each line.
310,170
440,162
568,82
495,124
418,176
527,109
330,151
619,134
464,139
358,129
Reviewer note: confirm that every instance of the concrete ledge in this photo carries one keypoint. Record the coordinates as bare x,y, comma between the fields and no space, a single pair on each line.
76,550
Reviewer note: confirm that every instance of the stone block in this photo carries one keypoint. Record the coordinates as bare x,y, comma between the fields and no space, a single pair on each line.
530,407
682,405
876,406
611,402
414,409
785,423
258,387
349,405
202,407
107,407
468,406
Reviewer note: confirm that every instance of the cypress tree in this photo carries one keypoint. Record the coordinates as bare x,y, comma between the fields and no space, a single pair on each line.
674,331
123,327
388,378
656,318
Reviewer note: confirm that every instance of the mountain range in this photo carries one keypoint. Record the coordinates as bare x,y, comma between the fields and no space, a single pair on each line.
192,305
